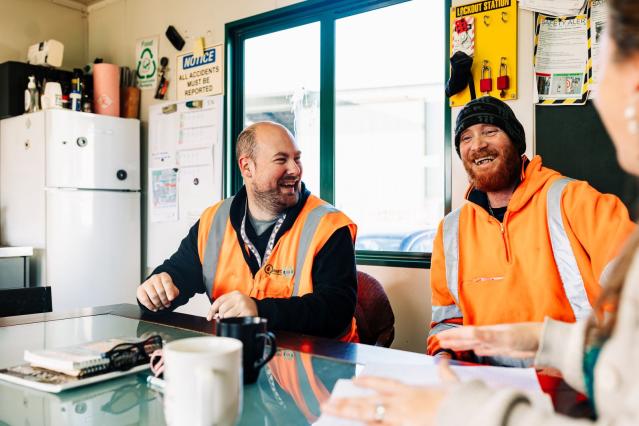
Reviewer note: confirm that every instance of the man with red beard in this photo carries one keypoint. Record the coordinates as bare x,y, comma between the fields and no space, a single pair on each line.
528,244
272,250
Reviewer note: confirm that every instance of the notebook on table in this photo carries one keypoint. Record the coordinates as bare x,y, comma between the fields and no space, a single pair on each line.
52,381
56,370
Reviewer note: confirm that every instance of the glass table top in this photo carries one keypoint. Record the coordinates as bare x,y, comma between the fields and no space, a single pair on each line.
289,390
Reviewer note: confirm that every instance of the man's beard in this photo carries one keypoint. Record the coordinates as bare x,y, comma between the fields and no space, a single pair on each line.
504,177
272,200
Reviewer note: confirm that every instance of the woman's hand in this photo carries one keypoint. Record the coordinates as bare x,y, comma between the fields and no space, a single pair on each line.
395,402
513,340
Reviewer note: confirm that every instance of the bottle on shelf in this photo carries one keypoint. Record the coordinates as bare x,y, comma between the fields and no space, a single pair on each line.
31,96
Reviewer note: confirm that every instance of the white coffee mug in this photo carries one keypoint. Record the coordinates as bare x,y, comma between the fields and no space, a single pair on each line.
203,381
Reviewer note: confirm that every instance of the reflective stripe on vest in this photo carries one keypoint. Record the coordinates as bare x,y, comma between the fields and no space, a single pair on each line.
441,327
562,251
443,313
216,237
214,243
451,252
308,231
564,257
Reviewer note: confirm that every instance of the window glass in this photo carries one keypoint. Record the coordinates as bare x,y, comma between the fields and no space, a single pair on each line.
282,80
389,128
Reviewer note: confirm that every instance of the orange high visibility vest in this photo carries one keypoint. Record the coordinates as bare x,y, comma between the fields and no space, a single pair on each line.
287,271
293,371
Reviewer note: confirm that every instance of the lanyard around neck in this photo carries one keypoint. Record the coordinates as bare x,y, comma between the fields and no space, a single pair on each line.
271,239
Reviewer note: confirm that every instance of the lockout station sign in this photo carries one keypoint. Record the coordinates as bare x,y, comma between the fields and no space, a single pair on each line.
200,75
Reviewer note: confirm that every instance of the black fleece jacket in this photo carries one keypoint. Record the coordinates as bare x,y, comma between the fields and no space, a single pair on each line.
327,311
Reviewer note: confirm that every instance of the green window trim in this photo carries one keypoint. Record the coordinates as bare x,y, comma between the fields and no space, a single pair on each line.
326,12
393,258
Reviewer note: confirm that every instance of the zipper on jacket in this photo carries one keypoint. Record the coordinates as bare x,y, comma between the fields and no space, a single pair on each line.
502,230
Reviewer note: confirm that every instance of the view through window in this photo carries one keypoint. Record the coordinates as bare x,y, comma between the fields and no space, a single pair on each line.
389,115
281,84
389,139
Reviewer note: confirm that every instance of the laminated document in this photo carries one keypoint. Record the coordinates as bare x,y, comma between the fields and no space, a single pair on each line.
164,201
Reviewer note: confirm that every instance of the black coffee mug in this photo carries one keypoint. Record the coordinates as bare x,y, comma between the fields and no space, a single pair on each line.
253,333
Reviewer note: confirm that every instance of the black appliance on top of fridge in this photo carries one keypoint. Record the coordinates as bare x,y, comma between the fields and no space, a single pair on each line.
14,77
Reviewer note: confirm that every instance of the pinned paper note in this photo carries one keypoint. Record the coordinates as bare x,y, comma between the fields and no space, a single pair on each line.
198,47
164,205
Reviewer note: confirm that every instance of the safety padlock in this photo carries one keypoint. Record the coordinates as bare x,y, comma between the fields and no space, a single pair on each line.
503,81
486,82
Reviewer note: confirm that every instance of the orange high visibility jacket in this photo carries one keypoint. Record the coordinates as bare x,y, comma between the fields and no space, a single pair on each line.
547,258
288,270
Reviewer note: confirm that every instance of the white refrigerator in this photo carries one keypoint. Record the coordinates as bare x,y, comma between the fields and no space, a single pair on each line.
70,188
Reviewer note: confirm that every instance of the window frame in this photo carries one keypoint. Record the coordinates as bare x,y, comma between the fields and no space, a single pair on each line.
326,12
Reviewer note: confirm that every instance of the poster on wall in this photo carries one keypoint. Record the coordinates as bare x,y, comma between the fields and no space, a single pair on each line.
199,76
164,205
561,60
146,62
598,14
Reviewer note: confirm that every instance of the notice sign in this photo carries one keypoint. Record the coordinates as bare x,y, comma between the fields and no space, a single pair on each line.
200,75
480,7
146,68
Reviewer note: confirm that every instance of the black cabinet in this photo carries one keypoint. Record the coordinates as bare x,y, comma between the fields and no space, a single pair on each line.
14,77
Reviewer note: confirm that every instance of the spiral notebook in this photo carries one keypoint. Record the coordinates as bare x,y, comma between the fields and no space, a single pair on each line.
52,381
78,361
55,370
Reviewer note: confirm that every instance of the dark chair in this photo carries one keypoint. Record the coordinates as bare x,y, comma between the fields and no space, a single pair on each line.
25,300
373,313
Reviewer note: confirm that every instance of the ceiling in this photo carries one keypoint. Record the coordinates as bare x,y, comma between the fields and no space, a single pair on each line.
76,4
87,2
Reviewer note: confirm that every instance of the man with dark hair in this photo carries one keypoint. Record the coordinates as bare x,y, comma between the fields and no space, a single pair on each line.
529,243
272,250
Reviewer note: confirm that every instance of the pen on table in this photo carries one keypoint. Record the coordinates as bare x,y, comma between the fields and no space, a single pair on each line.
155,382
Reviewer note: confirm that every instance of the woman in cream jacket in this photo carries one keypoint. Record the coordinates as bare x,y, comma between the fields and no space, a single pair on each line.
598,357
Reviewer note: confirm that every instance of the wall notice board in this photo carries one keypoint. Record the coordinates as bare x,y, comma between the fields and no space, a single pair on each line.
573,141
185,161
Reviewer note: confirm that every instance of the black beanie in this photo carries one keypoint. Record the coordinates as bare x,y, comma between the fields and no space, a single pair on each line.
489,110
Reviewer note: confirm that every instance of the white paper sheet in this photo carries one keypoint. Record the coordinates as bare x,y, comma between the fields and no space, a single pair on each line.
343,389
198,118
164,205
195,137
554,7
523,379
598,17
561,58
195,189
163,133
195,157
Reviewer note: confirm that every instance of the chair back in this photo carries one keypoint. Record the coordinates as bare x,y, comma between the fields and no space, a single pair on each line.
25,300
373,313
